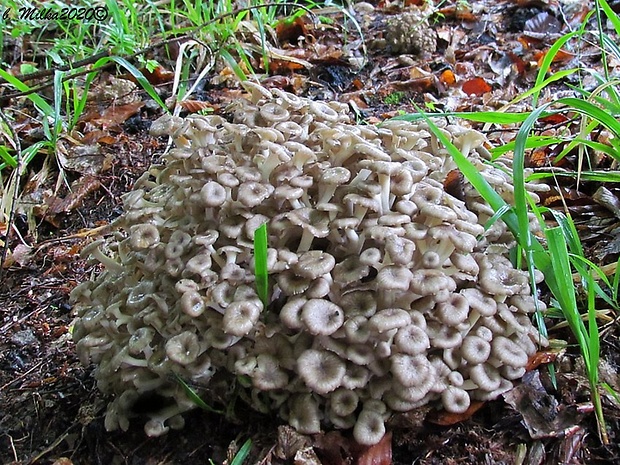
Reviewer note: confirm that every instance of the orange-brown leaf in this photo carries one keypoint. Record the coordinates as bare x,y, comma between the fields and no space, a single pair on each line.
447,77
444,418
194,106
85,186
379,454
290,31
454,184
476,86
158,76
118,114
540,358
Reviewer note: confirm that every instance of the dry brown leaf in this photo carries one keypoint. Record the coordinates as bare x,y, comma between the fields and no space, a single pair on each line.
84,186
454,184
540,358
158,76
476,86
194,106
444,418
118,114
306,456
289,442
542,414
379,454
291,31
333,448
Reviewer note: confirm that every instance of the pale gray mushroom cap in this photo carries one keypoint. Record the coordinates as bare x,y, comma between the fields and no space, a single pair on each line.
321,371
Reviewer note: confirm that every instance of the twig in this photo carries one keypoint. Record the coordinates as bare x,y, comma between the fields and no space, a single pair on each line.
23,375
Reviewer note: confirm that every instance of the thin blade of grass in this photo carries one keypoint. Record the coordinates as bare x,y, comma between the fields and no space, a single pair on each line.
535,91
546,64
599,176
243,453
565,294
136,73
533,142
37,100
480,116
195,398
611,14
9,160
593,112
228,58
260,264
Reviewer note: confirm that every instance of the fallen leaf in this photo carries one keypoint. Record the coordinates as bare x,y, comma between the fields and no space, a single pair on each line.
194,106
333,448
454,184
476,86
291,31
543,23
556,118
118,114
540,358
542,414
84,186
22,254
444,418
158,76
447,77
62,461
378,454
289,442
306,456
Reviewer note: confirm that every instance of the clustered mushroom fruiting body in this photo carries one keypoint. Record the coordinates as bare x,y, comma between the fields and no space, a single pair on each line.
409,32
382,296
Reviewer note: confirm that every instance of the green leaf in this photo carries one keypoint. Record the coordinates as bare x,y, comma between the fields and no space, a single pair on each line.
194,397
565,293
243,453
136,73
44,107
479,116
9,160
260,264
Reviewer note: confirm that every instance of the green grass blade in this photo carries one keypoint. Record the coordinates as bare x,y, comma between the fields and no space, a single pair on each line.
611,14
260,264
136,73
479,116
228,58
565,294
44,107
533,142
243,453
195,398
9,160
593,112
598,176
535,91
546,64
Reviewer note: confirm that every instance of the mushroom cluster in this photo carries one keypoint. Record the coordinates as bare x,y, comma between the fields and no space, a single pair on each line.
409,32
386,292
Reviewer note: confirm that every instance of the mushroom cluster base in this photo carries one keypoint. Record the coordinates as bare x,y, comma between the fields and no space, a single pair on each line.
385,291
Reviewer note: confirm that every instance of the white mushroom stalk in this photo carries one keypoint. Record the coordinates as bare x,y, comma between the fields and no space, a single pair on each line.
382,299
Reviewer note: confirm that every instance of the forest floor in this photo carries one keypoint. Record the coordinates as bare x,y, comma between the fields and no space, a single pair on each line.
485,54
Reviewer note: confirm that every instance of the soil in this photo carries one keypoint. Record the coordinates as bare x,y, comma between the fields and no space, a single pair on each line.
50,409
